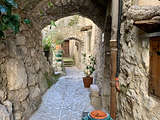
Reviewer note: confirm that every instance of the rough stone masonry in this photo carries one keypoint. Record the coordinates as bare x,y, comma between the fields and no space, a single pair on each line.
23,67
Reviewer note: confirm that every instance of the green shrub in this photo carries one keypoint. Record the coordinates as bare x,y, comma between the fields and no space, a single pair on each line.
7,20
89,64
51,80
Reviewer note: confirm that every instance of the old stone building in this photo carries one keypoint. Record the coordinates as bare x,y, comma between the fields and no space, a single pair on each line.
79,32
24,69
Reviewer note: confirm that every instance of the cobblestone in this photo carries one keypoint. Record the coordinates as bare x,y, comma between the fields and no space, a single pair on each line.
66,100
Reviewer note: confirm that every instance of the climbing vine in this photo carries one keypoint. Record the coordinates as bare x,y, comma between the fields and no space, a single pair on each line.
7,20
74,20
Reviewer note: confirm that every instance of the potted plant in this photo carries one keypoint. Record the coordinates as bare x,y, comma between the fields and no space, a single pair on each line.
97,115
89,69
47,45
59,50
58,44
57,39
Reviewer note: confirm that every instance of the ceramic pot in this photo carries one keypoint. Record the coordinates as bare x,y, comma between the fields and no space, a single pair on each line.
58,47
98,115
87,81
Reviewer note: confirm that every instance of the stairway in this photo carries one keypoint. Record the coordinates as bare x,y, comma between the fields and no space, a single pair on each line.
68,62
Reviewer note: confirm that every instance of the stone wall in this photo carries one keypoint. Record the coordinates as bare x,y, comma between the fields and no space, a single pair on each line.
133,101
23,73
23,66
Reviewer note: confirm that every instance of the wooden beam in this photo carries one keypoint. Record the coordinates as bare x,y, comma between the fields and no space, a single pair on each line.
148,26
147,22
86,28
150,35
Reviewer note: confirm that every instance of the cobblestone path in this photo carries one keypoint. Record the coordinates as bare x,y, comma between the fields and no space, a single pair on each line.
66,100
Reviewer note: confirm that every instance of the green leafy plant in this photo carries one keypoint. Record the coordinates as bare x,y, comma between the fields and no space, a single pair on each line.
57,38
47,43
52,79
27,21
59,42
89,64
74,20
7,20
52,24
97,115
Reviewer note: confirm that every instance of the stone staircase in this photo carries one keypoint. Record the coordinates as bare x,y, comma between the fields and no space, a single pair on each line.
68,62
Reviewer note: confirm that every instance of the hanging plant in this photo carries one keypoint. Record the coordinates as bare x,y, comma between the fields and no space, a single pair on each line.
27,21
52,24
7,20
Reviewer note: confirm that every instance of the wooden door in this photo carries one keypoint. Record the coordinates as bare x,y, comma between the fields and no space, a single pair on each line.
65,48
154,84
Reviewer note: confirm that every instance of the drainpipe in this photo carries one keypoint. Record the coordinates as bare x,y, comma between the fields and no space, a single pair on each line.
115,55
113,48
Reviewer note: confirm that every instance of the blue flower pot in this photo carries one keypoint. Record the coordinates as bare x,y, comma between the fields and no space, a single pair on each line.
107,118
90,118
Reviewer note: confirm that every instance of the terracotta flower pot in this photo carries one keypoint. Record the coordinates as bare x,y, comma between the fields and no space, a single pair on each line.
87,81
98,114
58,47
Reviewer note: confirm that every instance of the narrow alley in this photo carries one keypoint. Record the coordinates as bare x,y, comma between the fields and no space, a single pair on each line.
65,100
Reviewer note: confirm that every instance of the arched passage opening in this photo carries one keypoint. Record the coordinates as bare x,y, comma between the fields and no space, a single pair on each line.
46,11
77,39
78,35
25,52
77,43
75,49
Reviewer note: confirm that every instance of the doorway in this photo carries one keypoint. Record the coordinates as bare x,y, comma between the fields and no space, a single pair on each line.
154,84
65,48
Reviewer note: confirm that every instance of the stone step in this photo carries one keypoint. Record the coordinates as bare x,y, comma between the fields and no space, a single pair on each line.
66,63
69,63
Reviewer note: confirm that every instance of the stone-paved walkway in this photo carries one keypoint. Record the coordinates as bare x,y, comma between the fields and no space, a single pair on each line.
66,100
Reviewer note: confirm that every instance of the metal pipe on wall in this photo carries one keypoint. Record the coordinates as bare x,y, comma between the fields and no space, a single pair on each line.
115,54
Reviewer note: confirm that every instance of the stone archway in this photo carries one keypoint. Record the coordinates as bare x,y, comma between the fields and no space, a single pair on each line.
74,38
45,11
22,89
76,47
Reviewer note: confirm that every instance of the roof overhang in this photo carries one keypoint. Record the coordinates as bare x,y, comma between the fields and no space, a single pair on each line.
148,26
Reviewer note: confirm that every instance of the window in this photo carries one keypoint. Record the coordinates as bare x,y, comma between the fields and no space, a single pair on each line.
77,45
154,83
89,40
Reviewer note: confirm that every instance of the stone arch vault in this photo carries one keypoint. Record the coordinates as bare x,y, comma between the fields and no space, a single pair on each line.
75,38
23,52
45,11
